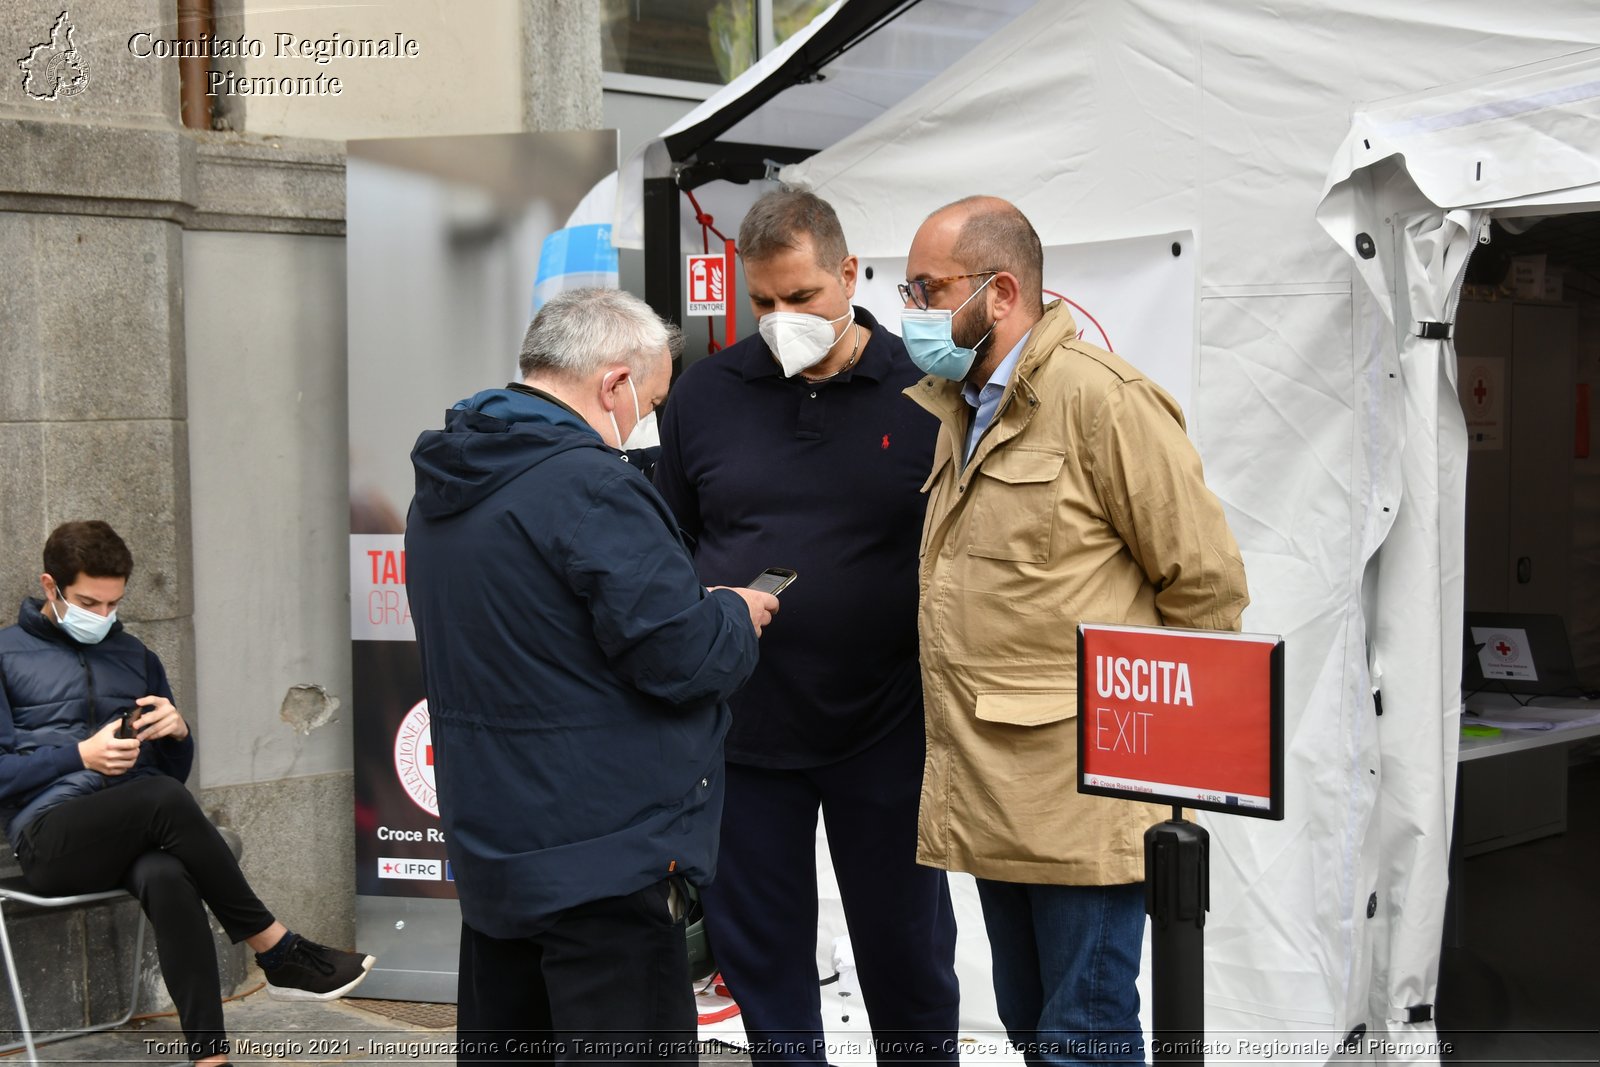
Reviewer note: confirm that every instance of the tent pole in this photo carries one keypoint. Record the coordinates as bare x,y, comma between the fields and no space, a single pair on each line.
663,259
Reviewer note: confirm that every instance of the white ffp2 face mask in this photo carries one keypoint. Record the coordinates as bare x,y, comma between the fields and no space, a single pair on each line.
800,341
644,433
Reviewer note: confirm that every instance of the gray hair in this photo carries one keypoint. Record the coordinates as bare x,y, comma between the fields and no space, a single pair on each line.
580,331
779,218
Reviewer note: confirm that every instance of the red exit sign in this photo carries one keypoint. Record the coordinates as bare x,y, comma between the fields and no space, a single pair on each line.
1187,717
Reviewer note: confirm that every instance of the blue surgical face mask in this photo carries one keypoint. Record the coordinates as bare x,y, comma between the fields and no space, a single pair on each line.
930,344
81,624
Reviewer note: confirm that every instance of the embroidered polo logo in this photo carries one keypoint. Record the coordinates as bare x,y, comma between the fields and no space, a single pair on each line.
884,444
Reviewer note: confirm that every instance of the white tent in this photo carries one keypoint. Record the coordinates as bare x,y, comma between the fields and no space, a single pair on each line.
1324,401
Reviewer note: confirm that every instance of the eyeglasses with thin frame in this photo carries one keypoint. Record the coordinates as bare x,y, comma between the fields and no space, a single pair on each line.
916,290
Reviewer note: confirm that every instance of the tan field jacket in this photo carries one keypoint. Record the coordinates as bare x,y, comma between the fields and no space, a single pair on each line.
1084,502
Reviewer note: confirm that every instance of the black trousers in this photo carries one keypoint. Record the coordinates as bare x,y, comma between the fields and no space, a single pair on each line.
605,982
151,838
761,911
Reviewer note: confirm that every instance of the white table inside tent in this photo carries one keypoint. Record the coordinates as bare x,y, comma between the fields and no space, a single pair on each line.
1512,786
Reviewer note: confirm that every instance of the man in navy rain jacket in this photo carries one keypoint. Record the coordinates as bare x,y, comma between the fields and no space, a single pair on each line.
577,674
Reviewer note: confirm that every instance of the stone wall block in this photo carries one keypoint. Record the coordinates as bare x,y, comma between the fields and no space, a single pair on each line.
22,526
110,931
561,65
118,86
68,160
49,948
299,836
134,475
94,325
282,183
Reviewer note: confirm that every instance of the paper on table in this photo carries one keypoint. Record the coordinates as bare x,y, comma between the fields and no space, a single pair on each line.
1536,717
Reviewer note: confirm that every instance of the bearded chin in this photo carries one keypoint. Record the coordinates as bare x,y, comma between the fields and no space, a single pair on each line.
972,331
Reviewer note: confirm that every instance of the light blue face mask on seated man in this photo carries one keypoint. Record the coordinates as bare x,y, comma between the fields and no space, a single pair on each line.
926,333
81,624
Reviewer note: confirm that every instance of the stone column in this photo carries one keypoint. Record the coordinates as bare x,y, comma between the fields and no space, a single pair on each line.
102,198
561,65
94,180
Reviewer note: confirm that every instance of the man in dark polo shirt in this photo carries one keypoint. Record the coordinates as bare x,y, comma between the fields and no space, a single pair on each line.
796,449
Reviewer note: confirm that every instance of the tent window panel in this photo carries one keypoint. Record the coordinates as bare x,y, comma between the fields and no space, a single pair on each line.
791,16
707,41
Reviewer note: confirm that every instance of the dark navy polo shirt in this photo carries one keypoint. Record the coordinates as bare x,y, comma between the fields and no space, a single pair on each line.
825,479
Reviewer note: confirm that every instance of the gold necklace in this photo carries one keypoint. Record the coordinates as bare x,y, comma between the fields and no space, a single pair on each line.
847,363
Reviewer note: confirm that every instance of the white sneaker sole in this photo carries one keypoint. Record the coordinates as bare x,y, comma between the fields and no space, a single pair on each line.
287,993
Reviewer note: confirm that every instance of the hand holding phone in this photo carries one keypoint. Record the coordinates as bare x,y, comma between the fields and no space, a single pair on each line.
125,727
107,751
773,580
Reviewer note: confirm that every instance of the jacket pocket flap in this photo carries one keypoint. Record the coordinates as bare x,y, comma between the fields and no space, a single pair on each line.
1028,707
1019,466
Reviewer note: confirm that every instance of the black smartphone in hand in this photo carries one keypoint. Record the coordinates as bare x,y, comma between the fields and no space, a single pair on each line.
125,727
773,580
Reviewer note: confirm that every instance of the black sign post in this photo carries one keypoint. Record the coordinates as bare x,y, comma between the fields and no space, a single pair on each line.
1177,895
1193,718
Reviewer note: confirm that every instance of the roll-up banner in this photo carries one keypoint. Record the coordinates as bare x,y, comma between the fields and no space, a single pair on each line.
443,256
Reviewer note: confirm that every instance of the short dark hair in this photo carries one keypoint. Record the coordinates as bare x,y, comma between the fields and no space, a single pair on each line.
776,221
996,236
91,548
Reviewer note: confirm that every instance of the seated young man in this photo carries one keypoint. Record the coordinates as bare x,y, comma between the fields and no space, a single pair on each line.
87,809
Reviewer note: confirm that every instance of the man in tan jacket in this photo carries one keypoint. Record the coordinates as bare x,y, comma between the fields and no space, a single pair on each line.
1064,490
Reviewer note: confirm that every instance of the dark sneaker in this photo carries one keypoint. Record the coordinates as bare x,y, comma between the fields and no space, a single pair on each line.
316,972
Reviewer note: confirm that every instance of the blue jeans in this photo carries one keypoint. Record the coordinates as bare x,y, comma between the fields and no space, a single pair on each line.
1065,961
